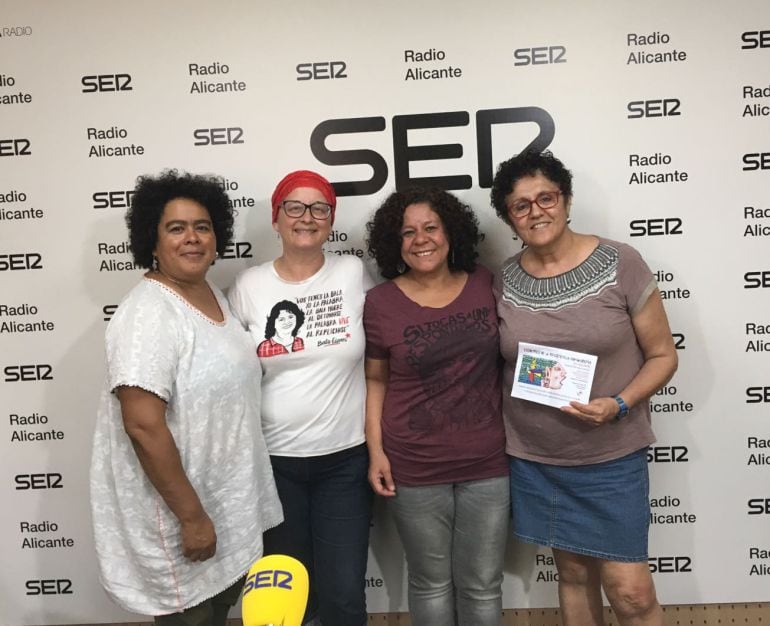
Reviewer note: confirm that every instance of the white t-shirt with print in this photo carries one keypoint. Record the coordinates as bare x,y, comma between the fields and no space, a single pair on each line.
312,391
205,371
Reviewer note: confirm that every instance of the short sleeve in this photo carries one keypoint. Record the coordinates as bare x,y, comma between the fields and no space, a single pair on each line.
375,348
142,346
635,279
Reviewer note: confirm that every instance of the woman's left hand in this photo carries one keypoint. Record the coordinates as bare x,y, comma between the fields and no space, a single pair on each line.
597,412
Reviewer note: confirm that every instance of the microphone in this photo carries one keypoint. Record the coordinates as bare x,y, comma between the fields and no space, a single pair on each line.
275,592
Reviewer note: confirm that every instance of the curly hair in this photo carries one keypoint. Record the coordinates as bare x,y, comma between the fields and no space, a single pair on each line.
153,193
459,222
528,163
290,307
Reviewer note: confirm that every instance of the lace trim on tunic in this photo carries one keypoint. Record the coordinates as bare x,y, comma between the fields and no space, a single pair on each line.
193,308
588,279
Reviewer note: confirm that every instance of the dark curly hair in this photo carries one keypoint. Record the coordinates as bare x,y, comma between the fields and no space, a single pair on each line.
528,163
153,193
284,305
459,221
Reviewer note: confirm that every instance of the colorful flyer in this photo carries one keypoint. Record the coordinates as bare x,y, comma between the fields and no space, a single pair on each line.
553,376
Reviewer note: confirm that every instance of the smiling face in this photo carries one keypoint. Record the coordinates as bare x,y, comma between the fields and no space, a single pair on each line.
540,228
186,245
285,323
304,233
424,244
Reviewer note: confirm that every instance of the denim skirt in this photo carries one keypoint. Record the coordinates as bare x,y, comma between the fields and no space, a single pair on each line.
600,510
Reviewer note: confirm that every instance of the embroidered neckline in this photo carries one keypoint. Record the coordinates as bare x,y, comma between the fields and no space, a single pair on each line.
588,279
195,310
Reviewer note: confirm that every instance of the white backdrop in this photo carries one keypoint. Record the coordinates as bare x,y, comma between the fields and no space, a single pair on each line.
620,91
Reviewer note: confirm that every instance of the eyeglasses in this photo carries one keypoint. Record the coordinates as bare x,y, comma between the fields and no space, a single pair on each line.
545,200
295,208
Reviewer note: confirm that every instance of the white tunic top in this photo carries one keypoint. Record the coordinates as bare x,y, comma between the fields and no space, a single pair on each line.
312,391
208,374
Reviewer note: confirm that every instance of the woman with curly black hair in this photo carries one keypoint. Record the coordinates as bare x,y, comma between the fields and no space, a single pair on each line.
181,485
579,480
433,418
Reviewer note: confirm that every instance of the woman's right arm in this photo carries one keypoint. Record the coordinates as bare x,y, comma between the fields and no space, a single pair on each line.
144,420
380,478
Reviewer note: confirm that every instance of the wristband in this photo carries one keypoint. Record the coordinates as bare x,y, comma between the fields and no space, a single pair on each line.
623,408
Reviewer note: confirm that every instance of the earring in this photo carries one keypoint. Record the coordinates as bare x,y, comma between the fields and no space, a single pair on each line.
155,265
401,267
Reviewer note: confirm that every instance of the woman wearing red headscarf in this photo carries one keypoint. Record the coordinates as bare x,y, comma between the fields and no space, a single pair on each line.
304,311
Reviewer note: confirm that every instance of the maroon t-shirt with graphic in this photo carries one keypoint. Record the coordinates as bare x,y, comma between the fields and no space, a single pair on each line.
441,419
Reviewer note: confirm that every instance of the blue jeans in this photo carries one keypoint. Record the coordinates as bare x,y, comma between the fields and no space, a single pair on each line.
454,538
327,511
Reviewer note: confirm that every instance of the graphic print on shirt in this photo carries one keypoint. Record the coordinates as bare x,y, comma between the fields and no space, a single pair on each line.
458,395
283,325
326,324
318,316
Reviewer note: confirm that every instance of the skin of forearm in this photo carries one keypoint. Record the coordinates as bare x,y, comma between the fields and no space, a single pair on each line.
159,457
655,373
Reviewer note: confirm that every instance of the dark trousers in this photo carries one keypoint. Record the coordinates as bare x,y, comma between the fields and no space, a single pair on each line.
211,612
327,510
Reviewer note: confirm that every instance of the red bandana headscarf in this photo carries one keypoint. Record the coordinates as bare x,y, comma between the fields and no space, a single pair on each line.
303,178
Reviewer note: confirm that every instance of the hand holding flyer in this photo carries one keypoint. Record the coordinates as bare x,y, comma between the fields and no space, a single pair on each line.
552,376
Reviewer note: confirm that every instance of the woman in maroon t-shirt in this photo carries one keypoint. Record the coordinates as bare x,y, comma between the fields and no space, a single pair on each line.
433,409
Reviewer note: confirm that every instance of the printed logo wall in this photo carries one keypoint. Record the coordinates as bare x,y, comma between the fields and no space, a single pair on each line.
662,110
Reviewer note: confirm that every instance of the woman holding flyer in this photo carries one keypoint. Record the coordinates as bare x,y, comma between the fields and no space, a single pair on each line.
587,307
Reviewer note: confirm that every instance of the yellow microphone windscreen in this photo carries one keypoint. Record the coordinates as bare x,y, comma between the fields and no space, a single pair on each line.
275,592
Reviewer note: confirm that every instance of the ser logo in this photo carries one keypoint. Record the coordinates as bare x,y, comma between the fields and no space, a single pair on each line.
218,136
51,480
268,578
112,199
21,261
755,395
670,564
759,506
106,82
15,147
751,280
24,373
678,341
49,587
755,39
542,55
668,107
667,454
238,250
403,153
322,70
109,310
656,226
756,161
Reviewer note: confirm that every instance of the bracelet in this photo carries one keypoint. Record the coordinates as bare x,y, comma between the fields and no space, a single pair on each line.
623,408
